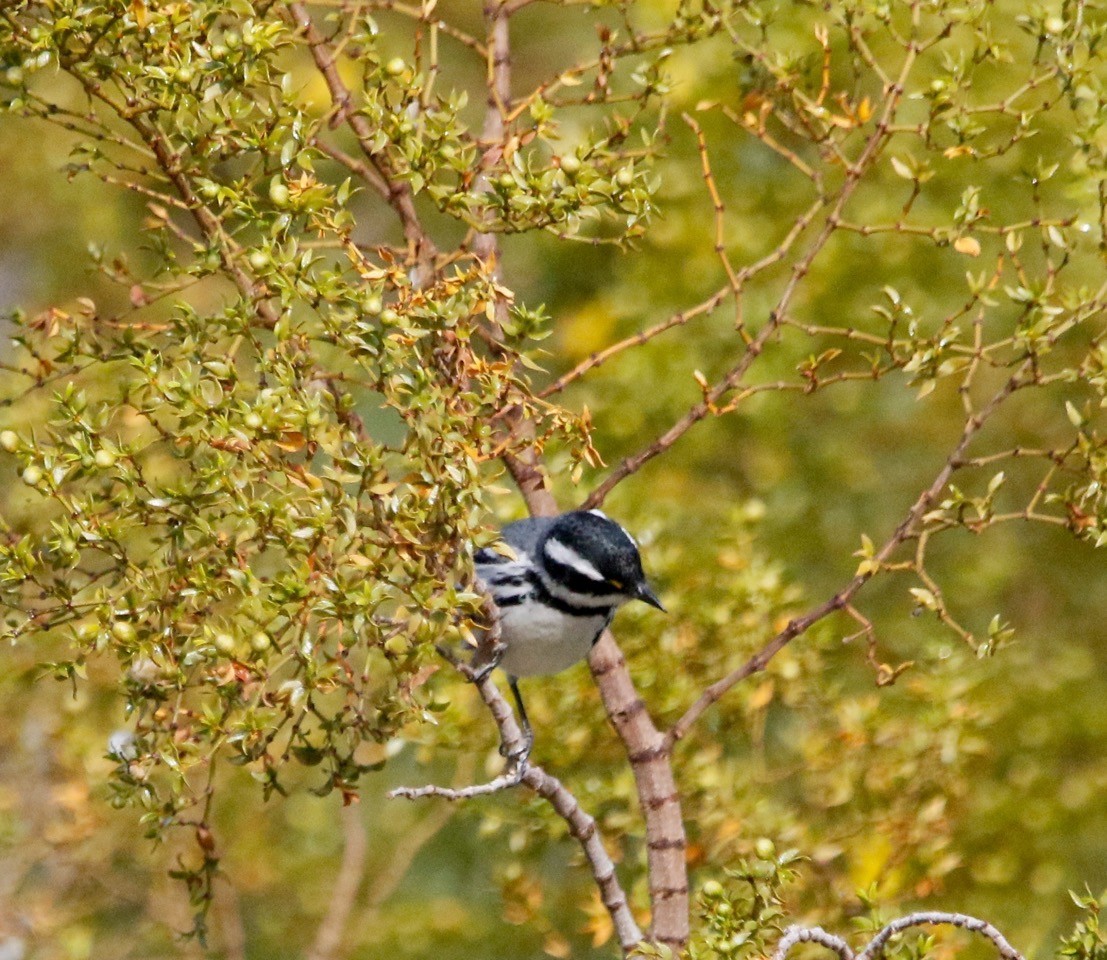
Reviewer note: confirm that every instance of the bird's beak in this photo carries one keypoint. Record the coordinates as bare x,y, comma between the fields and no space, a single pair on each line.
646,595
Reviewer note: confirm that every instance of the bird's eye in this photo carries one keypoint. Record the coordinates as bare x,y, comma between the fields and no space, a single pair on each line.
617,584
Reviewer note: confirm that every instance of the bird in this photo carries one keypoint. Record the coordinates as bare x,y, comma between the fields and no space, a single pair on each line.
556,582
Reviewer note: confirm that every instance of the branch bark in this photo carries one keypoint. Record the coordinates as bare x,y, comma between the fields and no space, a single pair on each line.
796,935
734,376
395,191
346,885
581,825
842,598
647,752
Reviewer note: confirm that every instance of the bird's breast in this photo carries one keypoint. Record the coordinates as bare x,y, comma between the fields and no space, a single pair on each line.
541,639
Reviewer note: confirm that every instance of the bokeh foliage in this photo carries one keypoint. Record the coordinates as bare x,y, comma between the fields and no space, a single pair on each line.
250,451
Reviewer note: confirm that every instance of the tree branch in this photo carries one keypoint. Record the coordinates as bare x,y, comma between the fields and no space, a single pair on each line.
346,885
396,192
581,825
843,597
796,935
756,345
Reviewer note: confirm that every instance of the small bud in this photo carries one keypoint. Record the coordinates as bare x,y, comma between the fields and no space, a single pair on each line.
104,459
253,421
224,643
14,75
124,631
260,642
259,259
32,476
712,889
278,193
184,73
373,305
570,164
625,177
396,645
9,440
765,848
389,316
395,66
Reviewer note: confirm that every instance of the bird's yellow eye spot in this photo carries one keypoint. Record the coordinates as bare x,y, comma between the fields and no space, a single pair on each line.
617,584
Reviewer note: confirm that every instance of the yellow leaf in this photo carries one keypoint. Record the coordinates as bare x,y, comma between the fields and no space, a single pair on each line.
291,441
763,695
504,550
556,945
902,169
967,245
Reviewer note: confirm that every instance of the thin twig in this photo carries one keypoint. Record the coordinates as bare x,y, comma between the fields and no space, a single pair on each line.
843,597
395,191
581,824
344,893
636,340
796,935
776,317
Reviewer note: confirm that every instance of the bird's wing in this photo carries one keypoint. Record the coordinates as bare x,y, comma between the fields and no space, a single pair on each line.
520,537
523,535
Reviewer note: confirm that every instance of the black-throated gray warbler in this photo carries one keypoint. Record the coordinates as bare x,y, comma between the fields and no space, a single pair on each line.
556,583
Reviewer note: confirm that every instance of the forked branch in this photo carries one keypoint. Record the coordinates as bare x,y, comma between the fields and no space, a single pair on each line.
874,948
581,824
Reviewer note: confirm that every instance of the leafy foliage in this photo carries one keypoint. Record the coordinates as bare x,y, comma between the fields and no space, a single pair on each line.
255,452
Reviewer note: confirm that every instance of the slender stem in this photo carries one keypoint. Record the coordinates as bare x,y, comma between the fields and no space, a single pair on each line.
841,599
778,314
346,885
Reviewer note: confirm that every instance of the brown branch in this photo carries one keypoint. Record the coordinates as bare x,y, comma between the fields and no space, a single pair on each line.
581,825
717,204
210,225
658,797
841,599
486,244
396,192
657,792
754,348
875,947
646,749
636,340
350,875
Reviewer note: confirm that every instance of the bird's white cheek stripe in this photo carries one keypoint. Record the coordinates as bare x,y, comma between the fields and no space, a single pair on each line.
567,556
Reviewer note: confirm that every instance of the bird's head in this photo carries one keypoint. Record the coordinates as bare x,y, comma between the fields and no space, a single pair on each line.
591,553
